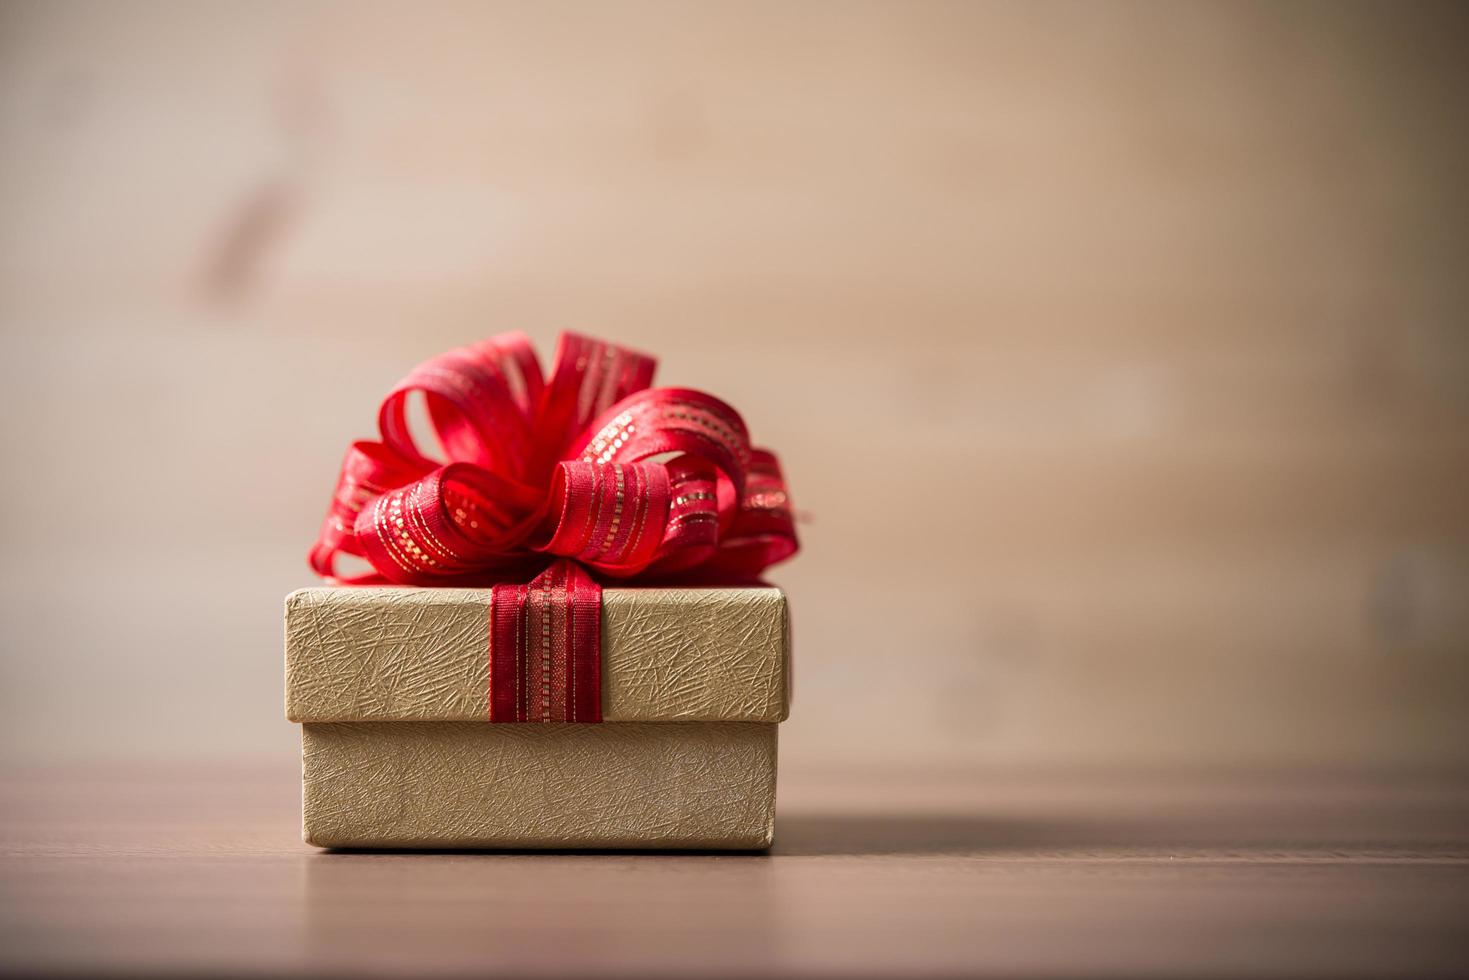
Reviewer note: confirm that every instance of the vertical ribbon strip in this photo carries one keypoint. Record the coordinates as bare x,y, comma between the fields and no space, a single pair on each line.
546,648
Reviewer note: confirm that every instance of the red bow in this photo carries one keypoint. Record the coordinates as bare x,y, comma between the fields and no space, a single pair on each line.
592,465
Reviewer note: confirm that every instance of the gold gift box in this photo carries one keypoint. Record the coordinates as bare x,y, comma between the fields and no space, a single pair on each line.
391,688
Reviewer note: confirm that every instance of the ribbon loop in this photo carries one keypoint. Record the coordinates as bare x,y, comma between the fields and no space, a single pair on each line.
612,515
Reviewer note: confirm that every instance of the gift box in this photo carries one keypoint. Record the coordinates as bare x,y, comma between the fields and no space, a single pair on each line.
392,687
561,638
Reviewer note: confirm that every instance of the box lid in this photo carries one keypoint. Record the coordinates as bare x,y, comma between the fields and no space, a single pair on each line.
410,654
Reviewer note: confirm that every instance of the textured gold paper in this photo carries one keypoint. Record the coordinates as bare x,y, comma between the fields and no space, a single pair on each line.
475,784
405,654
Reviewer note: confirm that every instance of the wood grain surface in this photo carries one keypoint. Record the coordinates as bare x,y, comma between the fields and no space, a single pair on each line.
167,871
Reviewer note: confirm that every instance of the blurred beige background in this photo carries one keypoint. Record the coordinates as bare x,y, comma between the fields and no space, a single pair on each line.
1117,352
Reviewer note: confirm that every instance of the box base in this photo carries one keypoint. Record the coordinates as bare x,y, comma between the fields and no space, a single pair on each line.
691,785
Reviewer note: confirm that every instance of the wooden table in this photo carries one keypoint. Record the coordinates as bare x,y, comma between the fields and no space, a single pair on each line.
173,871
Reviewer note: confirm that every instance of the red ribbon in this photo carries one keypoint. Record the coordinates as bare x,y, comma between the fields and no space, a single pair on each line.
591,466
